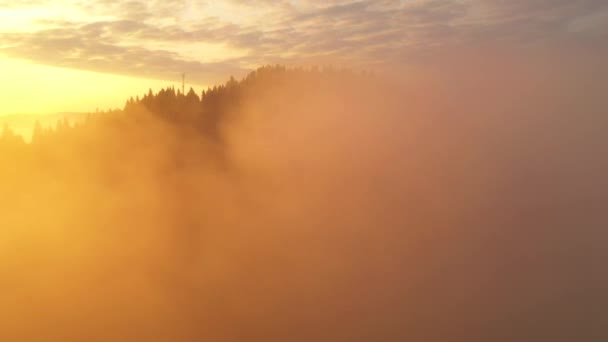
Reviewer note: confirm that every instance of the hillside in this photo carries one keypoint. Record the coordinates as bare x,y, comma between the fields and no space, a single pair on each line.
308,205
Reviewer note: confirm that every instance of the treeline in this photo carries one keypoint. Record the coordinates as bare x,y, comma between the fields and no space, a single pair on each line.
165,134
201,112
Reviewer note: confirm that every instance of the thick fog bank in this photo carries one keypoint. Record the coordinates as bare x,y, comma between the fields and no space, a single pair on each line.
320,208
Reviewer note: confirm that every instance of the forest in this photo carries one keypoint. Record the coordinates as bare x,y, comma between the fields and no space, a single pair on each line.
307,205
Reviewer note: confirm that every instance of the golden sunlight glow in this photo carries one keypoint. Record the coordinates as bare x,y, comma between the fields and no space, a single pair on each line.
37,89
331,170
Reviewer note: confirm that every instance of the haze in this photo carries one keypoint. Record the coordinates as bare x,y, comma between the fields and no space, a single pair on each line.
417,170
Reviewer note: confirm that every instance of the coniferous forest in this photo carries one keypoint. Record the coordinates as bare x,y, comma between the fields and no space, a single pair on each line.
307,205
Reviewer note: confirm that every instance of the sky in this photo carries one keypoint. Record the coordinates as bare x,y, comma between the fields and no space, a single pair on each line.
79,55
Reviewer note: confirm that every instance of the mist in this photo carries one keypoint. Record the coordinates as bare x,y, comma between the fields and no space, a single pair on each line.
462,203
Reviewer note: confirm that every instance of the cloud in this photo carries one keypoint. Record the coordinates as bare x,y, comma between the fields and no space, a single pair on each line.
143,37
8,4
95,47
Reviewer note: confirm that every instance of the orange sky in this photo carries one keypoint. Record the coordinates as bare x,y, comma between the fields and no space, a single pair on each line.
29,88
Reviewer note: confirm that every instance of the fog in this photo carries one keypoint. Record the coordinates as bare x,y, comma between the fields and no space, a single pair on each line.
460,204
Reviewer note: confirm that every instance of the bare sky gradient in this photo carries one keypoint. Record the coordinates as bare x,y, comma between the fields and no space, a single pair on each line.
211,40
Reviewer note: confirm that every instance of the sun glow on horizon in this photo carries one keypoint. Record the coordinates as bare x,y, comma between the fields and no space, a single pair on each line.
30,88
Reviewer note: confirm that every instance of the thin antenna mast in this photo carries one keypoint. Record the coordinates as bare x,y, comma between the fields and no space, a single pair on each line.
183,84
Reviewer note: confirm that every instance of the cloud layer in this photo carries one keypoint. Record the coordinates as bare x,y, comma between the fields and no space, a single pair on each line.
210,39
